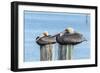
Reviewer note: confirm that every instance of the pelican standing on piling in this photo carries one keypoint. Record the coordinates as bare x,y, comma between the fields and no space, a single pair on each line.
67,40
45,43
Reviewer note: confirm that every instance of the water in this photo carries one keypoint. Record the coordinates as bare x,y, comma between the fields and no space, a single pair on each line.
38,22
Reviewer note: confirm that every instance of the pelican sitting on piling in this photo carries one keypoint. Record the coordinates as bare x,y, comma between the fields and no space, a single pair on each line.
69,36
45,43
67,40
45,39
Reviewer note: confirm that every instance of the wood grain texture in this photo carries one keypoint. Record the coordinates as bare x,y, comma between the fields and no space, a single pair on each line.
46,52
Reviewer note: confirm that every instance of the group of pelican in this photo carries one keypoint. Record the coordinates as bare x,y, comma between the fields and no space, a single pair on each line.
66,40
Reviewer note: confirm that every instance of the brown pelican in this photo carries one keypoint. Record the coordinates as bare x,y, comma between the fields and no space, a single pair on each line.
67,40
69,36
45,39
45,43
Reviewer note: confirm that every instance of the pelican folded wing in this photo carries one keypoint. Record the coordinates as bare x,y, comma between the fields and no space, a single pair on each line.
67,38
46,40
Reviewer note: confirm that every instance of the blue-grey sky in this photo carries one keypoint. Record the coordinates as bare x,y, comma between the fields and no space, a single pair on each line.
35,23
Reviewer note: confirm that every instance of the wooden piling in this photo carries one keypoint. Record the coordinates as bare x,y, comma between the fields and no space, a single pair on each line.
46,52
65,52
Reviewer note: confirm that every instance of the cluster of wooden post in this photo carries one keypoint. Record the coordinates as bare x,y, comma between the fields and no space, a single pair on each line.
64,52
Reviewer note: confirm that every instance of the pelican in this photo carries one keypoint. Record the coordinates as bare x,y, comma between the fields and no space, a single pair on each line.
45,43
69,36
67,40
45,39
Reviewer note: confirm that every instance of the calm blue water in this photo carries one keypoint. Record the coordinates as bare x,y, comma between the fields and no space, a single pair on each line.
35,23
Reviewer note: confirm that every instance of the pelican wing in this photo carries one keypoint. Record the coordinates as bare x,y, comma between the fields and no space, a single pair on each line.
68,38
46,40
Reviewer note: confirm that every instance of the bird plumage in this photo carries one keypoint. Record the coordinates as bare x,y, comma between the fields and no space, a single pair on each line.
46,40
70,38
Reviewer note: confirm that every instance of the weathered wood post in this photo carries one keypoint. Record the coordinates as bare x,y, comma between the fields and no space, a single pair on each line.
46,42
65,52
67,40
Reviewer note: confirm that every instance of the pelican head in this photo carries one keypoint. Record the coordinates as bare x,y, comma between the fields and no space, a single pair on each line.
69,30
45,33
